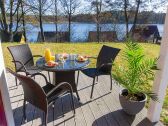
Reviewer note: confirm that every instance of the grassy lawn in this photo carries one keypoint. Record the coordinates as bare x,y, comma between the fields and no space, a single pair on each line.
89,49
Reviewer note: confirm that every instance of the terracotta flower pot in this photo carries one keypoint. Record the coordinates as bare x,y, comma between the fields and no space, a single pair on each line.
129,106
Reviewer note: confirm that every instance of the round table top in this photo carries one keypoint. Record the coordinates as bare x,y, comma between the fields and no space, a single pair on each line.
68,65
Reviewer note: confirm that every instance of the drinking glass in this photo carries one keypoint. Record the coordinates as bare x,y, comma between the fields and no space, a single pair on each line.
61,58
72,56
57,57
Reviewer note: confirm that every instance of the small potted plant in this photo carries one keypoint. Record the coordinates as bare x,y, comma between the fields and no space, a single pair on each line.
134,74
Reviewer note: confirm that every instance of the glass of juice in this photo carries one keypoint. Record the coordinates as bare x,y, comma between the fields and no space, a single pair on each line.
47,55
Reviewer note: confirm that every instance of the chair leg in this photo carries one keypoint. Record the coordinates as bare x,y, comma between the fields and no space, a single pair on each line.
97,79
72,103
49,76
111,82
45,118
24,109
77,95
92,88
16,81
77,79
53,106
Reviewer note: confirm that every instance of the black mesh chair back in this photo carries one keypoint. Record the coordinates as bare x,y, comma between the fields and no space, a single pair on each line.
105,58
104,63
42,97
23,54
33,93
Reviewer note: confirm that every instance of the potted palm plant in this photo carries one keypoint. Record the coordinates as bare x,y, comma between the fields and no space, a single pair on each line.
134,75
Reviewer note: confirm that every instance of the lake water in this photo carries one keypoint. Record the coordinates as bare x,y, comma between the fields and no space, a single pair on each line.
80,31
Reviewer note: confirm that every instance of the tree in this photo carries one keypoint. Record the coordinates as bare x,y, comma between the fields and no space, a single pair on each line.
123,6
39,7
138,2
97,7
7,28
3,18
126,3
13,12
54,10
69,8
56,18
20,18
23,20
143,5
131,9
114,8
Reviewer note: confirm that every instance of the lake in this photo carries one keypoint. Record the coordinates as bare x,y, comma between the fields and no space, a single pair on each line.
79,30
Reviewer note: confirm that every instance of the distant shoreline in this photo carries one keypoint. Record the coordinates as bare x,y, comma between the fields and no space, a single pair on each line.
80,30
89,23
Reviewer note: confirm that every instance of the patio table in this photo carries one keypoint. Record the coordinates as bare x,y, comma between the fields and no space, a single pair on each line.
64,71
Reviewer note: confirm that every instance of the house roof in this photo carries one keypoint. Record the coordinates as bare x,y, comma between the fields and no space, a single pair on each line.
147,30
50,36
144,33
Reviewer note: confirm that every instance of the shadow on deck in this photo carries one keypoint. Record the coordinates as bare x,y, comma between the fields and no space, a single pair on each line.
103,110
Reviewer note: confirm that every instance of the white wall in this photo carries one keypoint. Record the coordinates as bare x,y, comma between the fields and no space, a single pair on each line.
4,91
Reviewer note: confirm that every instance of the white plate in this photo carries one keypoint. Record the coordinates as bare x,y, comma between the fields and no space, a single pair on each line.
85,59
46,65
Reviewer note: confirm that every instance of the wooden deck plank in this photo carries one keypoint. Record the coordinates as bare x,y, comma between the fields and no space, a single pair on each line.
50,121
131,119
38,116
13,91
16,97
111,102
58,113
104,109
18,113
93,106
79,116
86,110
140,116
67,110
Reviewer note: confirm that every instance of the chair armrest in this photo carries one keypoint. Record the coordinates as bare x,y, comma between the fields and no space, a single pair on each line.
92,57
63,84
23,66
105,65
35,74
37,56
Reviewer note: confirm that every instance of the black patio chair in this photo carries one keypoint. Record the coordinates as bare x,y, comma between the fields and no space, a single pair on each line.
105,59
42,97
24,60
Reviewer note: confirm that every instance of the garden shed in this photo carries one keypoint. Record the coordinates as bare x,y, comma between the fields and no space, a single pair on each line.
51,36
105,36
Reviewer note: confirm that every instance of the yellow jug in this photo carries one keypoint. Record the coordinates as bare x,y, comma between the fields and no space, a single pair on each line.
47,55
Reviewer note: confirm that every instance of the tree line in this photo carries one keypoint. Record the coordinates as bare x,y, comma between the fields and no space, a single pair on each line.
144,17
15,14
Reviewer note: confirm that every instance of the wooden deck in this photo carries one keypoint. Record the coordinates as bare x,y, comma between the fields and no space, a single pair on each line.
103,110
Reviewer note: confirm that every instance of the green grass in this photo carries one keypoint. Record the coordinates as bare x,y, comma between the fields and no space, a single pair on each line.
89,49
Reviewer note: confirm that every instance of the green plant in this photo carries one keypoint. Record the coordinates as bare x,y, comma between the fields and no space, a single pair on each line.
136,72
